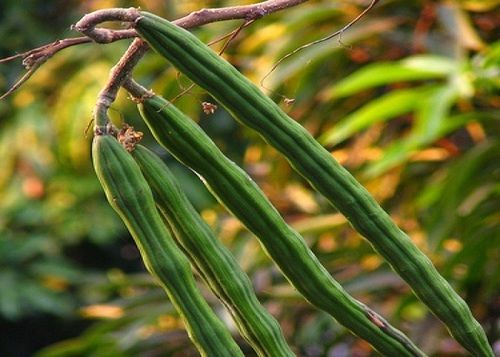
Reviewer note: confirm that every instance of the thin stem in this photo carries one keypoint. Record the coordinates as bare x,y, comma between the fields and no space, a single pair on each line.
228,37
117,76
21,80
33,59
136,90
323,39
247,12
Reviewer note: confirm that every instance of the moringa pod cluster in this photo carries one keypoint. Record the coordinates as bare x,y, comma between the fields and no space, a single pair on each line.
151,203
211,259
131,197
254,109
186,141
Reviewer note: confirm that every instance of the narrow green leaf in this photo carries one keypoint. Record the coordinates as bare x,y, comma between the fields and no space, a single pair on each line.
410,69
432,112
429,122
380,109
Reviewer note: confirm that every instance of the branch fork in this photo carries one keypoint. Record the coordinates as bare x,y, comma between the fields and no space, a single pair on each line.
87,24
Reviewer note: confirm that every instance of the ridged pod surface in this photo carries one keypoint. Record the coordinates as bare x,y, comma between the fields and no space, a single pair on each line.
130,196
255,110
184,139
214,262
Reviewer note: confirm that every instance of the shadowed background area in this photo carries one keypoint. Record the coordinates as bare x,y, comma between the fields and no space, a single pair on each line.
406,100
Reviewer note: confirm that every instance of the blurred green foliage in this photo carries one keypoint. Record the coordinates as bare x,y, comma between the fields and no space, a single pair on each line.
407,100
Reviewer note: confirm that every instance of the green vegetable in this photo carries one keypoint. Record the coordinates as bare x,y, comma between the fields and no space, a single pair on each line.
129,194
212,259
236,190
254,109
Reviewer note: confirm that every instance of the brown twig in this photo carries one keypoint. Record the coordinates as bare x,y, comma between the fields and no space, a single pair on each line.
87,24
323,39
247,12
117,76
32,56
21,80
231,36
33,59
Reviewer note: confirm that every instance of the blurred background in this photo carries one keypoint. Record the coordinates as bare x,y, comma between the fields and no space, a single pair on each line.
407,100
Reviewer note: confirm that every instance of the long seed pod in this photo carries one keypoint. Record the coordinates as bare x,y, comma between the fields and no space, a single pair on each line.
214,262
243,198
255,110
130,196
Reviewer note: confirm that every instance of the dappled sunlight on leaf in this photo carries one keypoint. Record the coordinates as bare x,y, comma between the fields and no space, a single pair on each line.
55,283
102,312
23,99
318,224
452,245
432,154
301,198
371,262
368,154
262,37
476,131
384,186
168,322
93,5
210,217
